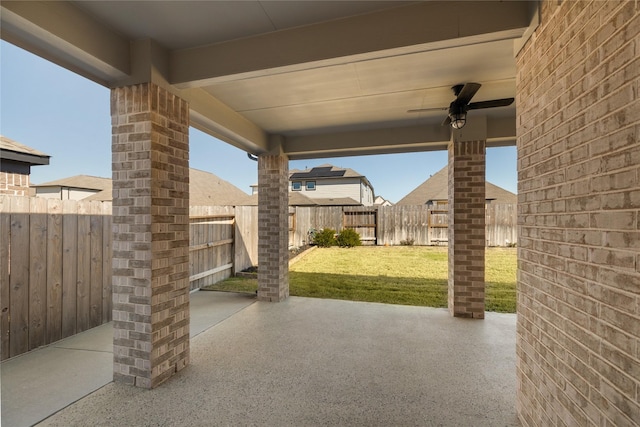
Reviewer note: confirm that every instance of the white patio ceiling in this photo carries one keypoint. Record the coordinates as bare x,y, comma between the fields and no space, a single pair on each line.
325,78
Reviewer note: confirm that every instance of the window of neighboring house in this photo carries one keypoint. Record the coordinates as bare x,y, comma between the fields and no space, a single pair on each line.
296,186
311,185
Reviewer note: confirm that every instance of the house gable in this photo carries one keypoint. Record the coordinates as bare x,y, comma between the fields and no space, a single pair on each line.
436,188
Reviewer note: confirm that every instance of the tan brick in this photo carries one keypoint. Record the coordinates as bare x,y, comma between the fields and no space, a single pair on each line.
579,193
466,228
273,230
144,159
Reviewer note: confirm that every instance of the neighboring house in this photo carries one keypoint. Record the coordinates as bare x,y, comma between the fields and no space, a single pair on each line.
329,185
205,189
381,201
435,190
15,166
73,188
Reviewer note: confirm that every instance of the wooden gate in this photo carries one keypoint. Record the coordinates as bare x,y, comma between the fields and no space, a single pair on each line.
211,249
438,223
363,221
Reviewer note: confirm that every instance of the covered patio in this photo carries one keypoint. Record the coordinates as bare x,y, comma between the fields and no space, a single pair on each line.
295,80
280,80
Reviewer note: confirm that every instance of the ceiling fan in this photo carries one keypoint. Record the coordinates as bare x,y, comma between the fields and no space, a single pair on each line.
457,115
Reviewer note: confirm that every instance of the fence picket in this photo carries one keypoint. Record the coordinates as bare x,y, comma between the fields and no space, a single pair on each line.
54,270
96,255
69,266
83,279
37,272
5,238
19,277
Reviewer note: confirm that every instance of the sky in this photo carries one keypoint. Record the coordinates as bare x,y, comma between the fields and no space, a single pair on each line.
67,117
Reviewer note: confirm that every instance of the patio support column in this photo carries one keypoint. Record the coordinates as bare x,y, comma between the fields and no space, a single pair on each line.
273,225
150,147
467,221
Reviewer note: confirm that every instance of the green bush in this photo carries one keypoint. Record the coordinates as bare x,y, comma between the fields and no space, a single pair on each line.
325,238
348,238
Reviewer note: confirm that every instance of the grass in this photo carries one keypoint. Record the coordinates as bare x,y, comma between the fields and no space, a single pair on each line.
410,275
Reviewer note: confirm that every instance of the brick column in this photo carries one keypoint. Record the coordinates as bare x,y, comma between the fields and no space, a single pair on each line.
273,227
466,228
150,234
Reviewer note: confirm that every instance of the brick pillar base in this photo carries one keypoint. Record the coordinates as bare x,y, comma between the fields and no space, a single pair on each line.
150,234
273,227
466,228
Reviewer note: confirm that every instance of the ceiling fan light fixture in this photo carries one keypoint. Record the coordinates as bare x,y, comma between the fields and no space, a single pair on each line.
458,120
457,114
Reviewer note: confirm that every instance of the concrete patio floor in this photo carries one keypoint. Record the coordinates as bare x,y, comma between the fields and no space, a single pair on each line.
38,384
308,362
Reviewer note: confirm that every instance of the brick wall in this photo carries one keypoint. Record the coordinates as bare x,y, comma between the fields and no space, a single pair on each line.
273,227
578,334
14,184
151,234
466,228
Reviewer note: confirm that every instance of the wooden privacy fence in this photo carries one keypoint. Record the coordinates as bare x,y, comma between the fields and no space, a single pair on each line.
56,264
55,256
391,225
502,221
55,279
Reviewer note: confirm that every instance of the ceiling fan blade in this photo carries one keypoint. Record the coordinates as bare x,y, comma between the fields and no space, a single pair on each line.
446,121
490,104
467,92
422,110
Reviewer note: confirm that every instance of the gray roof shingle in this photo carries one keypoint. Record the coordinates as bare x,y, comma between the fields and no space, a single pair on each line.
87,182
205,189
13,151
11,145
437,188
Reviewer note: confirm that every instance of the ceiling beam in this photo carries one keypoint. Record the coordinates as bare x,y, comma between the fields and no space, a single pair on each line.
213,117
499,132
64,35
375,141
418,27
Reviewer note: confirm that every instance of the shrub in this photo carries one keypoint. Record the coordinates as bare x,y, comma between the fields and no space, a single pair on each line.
348,238
325,238
408,242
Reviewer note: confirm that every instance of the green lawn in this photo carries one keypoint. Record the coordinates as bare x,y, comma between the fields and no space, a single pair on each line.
411,275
